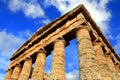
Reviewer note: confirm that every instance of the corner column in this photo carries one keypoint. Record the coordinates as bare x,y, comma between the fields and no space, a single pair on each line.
16,72
25,73
87,60
8,74
58,60
38,71
102,62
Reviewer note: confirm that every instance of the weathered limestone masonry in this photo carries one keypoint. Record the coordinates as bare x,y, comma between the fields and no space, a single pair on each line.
97,58
16,72
87,60
38,72
58,62
25,73
103,66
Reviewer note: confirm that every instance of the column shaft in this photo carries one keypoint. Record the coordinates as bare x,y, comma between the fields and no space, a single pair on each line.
58,61
87,60
114,74
103,66
38,71
8,74
16,72
25,73
110,63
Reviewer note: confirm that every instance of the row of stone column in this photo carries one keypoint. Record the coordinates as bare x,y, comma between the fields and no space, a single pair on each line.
19,72
23,73
93,63
58,65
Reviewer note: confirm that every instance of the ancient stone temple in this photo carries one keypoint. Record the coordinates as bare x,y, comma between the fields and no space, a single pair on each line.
97,58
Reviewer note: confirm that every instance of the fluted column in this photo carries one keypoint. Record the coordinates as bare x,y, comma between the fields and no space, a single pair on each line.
16,72
58,61
8,74
103,66
25,73
38,71
87,60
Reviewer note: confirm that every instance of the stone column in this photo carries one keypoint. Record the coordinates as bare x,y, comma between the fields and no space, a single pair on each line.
103,66
58,61
87,60
16,72
110,62
8,74
114,74
38,71
25,73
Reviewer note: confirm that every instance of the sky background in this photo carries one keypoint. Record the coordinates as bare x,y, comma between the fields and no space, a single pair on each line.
19,19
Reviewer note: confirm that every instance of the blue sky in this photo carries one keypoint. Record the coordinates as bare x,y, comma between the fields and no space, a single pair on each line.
19,19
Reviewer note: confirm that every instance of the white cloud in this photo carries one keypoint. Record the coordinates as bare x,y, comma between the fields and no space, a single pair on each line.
74,75
97,9
8,45
1,76
25,34
9,42
45,21
30,9
4,61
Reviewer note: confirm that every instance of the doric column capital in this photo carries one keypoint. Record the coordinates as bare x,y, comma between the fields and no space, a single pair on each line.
18,65
28,58
117,64
60,39
83,26
9,69
98,42
42,50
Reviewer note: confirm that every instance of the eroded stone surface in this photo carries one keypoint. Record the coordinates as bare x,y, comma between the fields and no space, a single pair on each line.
25,72
58,61
102,62
38,71
87,60
16,72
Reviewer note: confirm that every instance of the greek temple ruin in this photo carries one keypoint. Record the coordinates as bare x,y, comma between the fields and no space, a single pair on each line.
97,59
